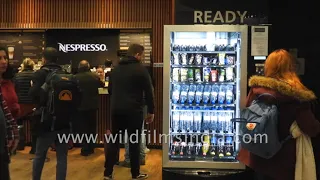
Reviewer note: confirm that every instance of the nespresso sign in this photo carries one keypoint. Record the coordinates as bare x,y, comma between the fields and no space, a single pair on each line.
212,17
82,47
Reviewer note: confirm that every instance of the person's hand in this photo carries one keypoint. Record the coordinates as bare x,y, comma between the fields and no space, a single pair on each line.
149,118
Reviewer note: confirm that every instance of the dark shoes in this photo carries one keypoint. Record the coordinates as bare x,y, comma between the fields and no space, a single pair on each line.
84,153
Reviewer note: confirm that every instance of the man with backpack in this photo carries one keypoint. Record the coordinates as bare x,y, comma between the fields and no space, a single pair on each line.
56,95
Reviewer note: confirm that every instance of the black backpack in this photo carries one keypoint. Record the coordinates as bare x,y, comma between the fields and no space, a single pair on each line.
63,94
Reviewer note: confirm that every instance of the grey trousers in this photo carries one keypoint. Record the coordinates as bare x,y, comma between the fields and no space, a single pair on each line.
142,143
44,141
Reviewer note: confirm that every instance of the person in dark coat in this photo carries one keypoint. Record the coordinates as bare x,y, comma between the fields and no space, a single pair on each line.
295,104
22,81
86,122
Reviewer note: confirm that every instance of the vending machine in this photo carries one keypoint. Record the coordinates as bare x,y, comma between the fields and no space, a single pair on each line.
204,87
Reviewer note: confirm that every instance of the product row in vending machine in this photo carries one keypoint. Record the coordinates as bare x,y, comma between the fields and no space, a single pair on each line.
205,94
204,147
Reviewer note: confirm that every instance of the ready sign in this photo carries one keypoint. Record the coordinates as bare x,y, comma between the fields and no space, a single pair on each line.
211,17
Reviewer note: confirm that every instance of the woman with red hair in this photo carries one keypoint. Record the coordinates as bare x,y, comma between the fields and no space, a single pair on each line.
295,105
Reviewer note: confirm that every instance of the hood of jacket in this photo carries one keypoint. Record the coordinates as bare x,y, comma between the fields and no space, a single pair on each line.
281,88
128,60
51,66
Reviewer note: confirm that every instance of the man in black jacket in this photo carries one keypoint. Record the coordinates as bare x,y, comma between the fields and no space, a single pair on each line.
46,135
128,82
86,122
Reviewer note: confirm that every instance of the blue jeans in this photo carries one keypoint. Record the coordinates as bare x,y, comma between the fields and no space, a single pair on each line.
142,143
44,141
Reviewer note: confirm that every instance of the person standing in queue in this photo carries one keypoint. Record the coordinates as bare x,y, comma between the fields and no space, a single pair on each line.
52,122
87,116
128,82
22,84
9,135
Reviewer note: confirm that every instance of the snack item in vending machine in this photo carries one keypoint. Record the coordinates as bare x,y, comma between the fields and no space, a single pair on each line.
221,59
190,75
213,144
229,74
214,60
184,94
176,59
222,74
176,93
206,94
199,93
214,75
191,93
184,59
199,59
229,94
175,74
206,61
222,94
190,149
206,74
198,75
191,60
184,75
214,94
230,60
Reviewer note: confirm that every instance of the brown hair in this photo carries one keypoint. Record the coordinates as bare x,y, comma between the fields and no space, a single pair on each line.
135,49
281,65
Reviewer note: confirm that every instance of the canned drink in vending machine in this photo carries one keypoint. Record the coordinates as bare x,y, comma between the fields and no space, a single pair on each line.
229,145
213,145
182,148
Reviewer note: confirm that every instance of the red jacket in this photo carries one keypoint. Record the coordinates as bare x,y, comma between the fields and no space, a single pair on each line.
11,98
294,105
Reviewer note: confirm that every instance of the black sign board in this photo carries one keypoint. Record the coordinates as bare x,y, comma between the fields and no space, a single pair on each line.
95,46
21,45
250,12
144,39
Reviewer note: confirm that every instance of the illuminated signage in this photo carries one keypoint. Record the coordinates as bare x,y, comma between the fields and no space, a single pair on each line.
211,17
82,47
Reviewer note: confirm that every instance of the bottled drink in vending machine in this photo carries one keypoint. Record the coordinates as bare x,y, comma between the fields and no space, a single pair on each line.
198,149
197,118
182,148
182,121
206,120
229,145
213,120
228,118
189,120
190,149
175,120
213,145
175,148
220,148
206,143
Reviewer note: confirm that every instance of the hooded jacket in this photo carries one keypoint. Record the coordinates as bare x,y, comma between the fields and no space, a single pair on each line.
22,85
293,105
129,82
